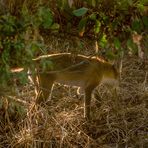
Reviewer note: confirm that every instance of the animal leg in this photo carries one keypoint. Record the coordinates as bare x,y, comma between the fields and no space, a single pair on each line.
87,101
45,87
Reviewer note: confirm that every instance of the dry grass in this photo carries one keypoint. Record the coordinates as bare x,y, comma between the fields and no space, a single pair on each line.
116,121
120,121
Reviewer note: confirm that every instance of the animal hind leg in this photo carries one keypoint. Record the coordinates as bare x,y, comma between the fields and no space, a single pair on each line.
45,88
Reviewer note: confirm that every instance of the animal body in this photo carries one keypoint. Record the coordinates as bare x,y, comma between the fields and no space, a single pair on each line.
74,70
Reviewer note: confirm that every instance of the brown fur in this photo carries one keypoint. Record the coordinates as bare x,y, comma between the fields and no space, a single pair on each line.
65,68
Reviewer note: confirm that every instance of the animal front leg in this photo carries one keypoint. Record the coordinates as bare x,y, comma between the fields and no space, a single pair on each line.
87,101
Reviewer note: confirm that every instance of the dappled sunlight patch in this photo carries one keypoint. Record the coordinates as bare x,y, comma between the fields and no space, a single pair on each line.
23,137
69,116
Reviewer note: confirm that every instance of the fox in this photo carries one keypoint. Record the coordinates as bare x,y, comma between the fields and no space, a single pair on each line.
73,70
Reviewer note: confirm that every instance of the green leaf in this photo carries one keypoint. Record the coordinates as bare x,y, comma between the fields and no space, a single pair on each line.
63,4
82,25
117,43
93,3
22,77
132,46
110,55
145,21
46,17
55,26
136,25
97,26
8,23
103,41
92,16
33,48
105,19
80,12
140,7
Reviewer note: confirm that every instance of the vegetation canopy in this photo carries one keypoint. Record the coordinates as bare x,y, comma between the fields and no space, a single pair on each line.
111,23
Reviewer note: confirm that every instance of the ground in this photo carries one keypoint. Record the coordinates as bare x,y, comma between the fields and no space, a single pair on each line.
116,121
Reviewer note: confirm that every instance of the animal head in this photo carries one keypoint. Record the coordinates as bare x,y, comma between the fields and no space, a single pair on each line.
111,76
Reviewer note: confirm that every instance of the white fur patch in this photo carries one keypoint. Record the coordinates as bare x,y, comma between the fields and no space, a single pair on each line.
110,81
71,83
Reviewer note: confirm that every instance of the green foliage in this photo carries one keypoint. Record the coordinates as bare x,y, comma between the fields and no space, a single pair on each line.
137,25
110,55
80,12
97,26
145,21
117,43
132,46
103,41
110,22
14,109
55,27
8,25
44,17
116,19
82,25
92,16
19,40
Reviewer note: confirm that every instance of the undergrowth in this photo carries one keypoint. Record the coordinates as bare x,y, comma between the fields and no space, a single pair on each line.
116,122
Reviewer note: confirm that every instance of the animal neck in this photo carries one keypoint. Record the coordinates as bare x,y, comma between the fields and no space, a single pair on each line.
107,68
